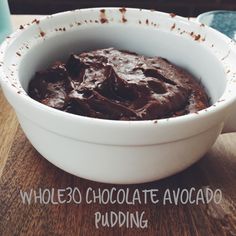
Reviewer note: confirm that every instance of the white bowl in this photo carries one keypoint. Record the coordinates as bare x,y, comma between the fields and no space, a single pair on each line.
120,151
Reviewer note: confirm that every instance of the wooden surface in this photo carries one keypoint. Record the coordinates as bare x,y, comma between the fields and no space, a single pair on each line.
22,169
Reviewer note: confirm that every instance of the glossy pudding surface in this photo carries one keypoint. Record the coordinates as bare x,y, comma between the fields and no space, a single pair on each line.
118,85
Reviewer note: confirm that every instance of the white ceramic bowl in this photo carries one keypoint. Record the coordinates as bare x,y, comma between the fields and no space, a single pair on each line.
120,151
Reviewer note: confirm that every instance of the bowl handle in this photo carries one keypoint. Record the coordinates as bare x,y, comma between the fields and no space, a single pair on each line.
230,123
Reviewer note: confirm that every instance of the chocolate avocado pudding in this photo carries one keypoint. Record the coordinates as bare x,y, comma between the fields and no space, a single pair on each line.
118,85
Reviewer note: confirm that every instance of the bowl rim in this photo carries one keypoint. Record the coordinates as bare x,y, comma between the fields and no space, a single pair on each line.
222,103
199,17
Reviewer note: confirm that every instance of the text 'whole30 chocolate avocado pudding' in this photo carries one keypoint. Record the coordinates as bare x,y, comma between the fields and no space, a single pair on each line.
118,85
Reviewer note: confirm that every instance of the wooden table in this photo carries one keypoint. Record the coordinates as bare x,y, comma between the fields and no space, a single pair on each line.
22,169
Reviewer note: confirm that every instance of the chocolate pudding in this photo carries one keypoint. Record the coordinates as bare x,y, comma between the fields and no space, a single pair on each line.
118,85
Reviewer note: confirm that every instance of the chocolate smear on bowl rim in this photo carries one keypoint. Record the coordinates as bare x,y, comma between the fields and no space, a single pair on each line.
42,34
103,17
123,11
36,21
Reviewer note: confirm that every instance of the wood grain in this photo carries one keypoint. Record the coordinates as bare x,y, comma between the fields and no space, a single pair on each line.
8,126
26,169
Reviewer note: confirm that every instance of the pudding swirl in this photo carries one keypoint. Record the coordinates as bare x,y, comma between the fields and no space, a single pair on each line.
118,85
